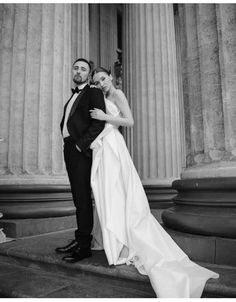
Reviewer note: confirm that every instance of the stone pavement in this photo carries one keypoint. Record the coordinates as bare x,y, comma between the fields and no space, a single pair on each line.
29,267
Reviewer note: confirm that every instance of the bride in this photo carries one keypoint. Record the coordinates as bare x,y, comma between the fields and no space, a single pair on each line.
125,227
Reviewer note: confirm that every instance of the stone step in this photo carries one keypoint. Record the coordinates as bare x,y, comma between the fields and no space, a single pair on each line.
17,228
31,268
32,281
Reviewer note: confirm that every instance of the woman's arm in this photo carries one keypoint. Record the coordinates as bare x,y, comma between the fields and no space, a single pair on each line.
121,102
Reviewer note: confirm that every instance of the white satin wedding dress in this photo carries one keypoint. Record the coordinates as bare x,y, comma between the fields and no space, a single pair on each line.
128,232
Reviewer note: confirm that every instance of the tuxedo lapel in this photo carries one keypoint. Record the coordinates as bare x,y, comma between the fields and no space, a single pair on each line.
64,113
78,101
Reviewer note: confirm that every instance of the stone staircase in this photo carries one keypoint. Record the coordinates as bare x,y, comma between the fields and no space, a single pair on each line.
29,267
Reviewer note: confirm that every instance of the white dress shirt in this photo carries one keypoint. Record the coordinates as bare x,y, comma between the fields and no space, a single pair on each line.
65,132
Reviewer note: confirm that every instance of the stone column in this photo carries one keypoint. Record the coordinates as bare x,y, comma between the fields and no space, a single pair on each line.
38,44
103,35
209,89
36,56
127,65
108,34
227,56
206,200
151,85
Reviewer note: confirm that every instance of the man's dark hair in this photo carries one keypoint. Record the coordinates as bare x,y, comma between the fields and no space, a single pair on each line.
83,60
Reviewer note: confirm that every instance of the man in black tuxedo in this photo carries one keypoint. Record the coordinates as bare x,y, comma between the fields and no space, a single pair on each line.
79,130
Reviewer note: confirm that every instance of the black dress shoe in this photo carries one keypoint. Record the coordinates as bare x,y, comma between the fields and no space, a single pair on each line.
69,248
78,254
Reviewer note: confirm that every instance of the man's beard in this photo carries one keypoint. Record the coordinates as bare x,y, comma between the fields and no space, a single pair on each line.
78,80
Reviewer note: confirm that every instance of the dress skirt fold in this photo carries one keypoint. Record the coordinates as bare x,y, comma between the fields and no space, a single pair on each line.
125,228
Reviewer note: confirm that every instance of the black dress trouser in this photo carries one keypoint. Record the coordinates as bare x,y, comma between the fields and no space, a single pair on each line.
78,167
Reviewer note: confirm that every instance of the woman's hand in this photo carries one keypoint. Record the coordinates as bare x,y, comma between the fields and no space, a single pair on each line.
98,114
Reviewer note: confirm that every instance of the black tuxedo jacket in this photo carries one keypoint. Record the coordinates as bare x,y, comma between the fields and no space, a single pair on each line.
81,127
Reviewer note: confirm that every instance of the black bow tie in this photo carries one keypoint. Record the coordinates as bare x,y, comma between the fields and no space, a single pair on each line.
76,90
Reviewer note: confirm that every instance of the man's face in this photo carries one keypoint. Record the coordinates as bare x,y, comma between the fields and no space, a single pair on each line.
80,72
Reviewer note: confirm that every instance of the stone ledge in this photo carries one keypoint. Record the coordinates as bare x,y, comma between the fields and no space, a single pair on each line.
39,252
212,170
16,228
208,221
208,249
35,201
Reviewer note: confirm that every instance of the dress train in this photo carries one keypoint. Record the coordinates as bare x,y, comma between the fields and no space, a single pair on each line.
125,228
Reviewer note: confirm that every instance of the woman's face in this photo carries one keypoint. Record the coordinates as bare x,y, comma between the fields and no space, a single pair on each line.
102,81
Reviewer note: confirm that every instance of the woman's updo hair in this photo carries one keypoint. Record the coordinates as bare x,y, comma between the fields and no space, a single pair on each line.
100,69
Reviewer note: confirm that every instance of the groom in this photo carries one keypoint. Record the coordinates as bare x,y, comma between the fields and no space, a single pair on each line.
78,131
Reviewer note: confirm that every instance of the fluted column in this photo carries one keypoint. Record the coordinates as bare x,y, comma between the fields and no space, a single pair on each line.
227,55
206,200
128,76
38,44
150,74
208,58
191,78
212,111
79,31
107,35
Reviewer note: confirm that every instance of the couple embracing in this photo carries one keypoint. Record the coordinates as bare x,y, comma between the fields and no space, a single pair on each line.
97,160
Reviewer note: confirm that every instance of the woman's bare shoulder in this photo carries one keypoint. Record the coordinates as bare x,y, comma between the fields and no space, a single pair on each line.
119,95
119,92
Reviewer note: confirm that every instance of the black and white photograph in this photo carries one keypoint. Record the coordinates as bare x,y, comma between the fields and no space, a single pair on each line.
117,150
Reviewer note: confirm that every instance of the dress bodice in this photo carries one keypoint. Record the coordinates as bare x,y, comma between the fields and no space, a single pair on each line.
111,108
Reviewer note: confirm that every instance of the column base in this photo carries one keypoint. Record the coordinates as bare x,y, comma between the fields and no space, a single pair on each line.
205,206
203,219
208,221
16,228
36,209
208,249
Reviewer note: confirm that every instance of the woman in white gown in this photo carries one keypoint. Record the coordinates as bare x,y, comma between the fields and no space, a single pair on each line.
128,232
